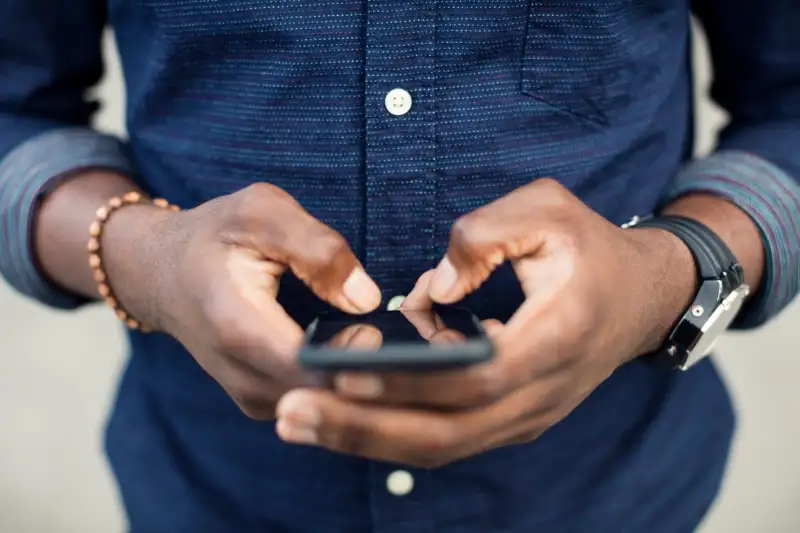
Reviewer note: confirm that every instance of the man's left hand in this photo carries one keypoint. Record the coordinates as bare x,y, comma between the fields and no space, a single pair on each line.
597,296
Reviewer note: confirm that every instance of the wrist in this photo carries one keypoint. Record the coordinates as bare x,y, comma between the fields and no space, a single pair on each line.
136,261
61,224
719,295
671,281
671,273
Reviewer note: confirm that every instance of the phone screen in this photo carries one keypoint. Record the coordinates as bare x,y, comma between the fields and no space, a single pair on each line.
396,340
442,326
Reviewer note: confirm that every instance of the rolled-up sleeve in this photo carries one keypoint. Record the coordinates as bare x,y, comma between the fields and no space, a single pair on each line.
50,55
755,47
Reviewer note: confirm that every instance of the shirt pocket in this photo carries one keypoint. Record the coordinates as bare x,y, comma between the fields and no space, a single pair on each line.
580,56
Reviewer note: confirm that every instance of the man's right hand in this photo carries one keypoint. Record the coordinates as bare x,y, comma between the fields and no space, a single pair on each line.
209,277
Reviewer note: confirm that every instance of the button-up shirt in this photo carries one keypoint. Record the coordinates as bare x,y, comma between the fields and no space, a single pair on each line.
387,120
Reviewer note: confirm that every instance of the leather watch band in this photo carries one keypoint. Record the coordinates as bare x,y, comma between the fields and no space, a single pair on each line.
720,292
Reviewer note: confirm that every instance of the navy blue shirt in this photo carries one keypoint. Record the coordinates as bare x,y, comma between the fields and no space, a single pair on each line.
221,94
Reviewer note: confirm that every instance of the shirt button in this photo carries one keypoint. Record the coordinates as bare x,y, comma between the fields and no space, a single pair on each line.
395,302
398,102
400,483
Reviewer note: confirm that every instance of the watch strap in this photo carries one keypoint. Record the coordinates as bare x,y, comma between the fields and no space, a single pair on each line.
720,279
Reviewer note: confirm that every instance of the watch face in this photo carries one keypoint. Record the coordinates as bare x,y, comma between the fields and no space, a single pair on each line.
717,323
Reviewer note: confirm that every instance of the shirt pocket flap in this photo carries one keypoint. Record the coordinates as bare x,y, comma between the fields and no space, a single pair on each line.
577,58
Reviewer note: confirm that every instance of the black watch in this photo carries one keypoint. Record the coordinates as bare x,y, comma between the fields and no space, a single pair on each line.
720,294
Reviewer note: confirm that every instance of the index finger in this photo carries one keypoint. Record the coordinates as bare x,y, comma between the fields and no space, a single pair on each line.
258,334
418,298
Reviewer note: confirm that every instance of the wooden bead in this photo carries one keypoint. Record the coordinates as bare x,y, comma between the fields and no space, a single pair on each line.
115,203
94,261
99,276
104,290
160,202
112,302
122,315
94,245
132,324
95,229
132,198
102,214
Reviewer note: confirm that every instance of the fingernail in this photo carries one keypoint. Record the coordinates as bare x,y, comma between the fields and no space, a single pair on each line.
290,432
360,385
361,290
295,408
298,419
444,282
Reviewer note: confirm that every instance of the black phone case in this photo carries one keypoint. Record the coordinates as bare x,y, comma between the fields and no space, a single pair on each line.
398,356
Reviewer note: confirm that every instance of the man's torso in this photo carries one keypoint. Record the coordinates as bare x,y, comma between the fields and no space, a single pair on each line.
594,93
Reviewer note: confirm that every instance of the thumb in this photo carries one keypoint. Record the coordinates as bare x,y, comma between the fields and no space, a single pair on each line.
338,279
278,227
324,261
483,240
444,286
454,278
359,291
321,257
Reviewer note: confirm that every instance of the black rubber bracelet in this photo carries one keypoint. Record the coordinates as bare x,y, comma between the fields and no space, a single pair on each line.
728,265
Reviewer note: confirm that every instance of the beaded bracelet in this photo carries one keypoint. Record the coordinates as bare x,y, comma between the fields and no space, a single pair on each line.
95,261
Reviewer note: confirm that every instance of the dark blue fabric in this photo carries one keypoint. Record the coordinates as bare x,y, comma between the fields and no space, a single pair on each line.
225,93
645,453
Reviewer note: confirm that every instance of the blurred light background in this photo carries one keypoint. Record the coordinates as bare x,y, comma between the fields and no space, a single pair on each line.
58,374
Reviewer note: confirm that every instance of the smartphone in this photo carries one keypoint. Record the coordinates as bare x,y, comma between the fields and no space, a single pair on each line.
404,341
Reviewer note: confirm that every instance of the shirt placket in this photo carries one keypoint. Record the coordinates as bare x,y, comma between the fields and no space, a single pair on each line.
400,203
402,499
400,142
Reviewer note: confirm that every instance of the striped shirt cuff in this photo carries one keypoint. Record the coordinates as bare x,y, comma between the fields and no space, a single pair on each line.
772,199
28,172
